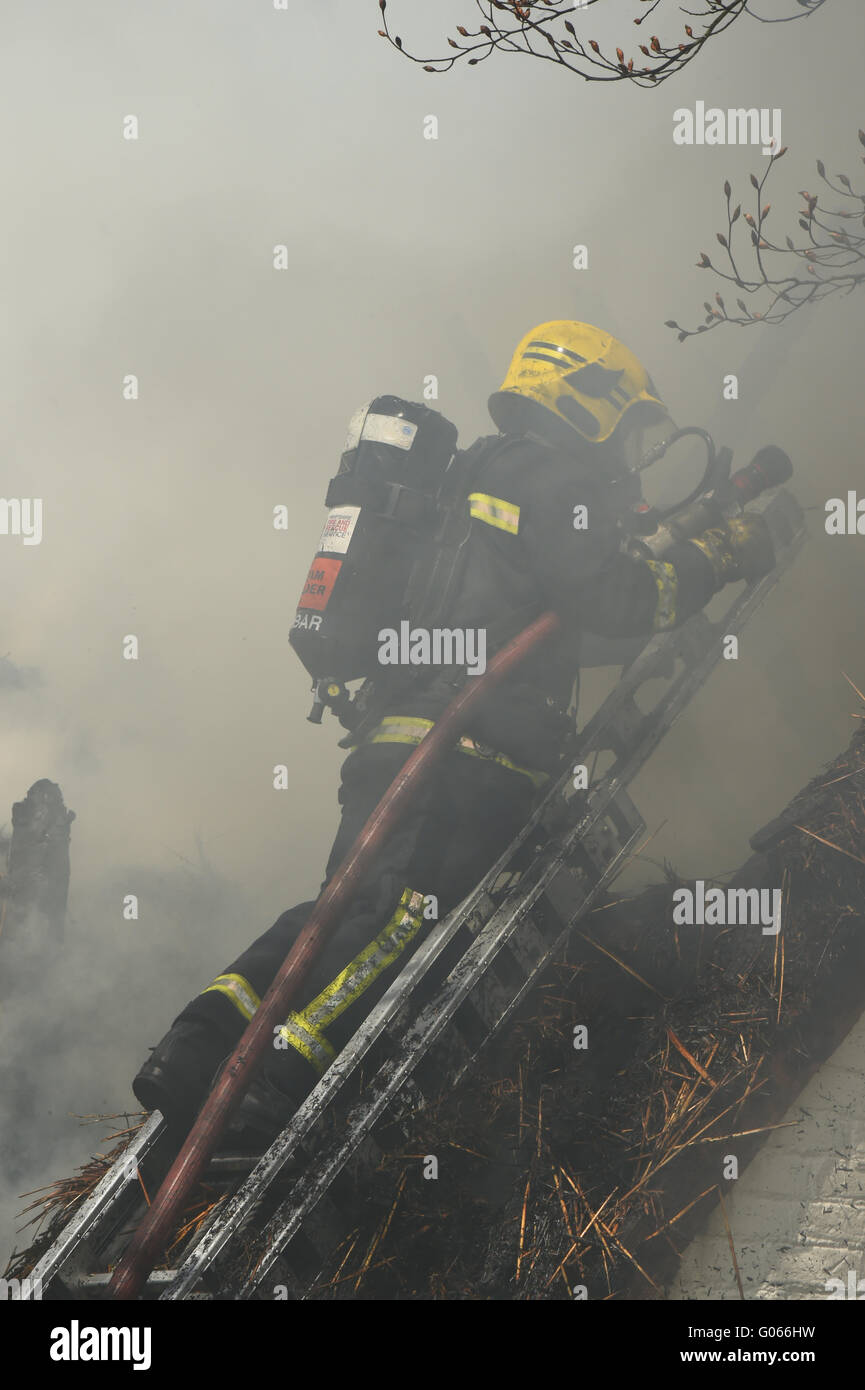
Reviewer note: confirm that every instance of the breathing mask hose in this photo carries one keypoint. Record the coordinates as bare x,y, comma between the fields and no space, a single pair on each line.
769,468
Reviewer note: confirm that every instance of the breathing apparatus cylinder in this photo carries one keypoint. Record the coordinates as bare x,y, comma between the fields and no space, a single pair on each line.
383,512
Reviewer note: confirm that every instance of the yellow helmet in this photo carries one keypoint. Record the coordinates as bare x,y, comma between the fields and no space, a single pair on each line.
580,375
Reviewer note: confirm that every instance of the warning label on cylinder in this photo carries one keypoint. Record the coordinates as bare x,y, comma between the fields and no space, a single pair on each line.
319,583
338,528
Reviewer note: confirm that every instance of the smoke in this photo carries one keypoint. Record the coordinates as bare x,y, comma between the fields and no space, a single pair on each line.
407,258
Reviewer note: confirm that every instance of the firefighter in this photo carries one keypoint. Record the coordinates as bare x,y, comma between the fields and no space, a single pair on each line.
547,491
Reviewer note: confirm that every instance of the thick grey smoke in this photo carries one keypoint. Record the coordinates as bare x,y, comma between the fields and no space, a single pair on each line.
407,257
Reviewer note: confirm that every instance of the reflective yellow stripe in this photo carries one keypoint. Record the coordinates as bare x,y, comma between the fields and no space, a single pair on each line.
467,745
239,991
314,1046
303,1031
495,512
398,728
401,729
667,582
381,952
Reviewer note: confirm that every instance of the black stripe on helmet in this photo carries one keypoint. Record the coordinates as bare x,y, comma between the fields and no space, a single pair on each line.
562,351
546,357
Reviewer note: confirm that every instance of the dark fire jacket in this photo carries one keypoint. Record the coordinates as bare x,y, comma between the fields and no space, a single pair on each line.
525,554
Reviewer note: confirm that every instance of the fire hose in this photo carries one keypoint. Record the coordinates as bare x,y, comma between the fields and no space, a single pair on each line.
151,1237
770,467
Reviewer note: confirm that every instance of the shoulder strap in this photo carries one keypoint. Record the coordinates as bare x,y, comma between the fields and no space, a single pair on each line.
440,567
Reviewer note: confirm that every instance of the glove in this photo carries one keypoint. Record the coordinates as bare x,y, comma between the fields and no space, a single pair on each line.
740,549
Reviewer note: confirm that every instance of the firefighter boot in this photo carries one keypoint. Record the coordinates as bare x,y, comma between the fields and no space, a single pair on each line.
178,1074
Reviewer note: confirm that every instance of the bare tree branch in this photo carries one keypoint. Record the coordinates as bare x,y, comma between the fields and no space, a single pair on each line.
543,30
831,261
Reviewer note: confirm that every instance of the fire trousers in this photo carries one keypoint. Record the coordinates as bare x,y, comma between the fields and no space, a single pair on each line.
449,836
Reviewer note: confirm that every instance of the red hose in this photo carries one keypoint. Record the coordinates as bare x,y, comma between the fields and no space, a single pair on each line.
161,1218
